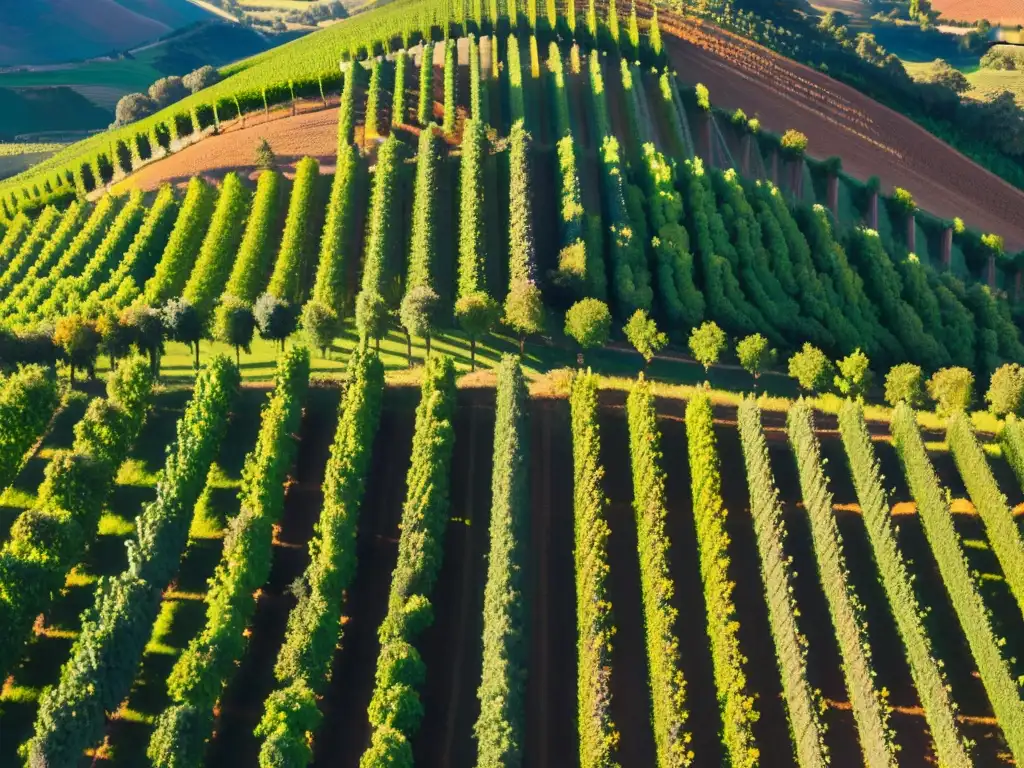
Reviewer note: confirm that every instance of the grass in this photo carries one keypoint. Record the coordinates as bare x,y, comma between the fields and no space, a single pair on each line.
11,149
128,74
986,83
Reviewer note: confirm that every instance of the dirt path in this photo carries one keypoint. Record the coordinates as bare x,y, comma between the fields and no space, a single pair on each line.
451,647
241,705
838,120
551,731
345,731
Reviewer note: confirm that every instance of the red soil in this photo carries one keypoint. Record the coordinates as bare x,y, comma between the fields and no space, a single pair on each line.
870,138
1009,12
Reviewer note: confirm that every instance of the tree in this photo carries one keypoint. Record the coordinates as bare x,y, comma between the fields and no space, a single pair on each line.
234,324
132,107
524,310
320,324
589,322
1005,394
274,318
372,316
183,323
115,337
941,73
793,144
952,389
707,343
147,330
905,384
477,314
755,355
265,157
200,78
643,334
418,315
80,342
854,377
811,368
167,90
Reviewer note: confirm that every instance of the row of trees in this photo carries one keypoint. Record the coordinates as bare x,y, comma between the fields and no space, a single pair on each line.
105,656
211,658
28,399
22,244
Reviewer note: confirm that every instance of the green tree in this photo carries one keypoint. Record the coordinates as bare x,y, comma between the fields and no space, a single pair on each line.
234,324
811,368
78,338
275,319
643,334
147,330
589,322
320,324
418,315
477,314
372,316
952,389
115,338
707,343
524,310
264,157
182,323
755,355
905,384
1006,390
854,377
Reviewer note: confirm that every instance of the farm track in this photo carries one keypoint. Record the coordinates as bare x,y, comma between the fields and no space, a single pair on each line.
345,731
241,705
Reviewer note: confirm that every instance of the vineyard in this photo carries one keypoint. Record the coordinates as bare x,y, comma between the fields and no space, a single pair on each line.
211,556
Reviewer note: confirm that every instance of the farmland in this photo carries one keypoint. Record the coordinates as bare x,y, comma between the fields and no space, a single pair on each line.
329,449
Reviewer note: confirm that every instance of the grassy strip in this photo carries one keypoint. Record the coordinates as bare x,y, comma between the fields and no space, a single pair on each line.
870,709
212,657
598,736
929,679
35,239
395,709
802,701
937,520
500,728
738,710
105,657
668,686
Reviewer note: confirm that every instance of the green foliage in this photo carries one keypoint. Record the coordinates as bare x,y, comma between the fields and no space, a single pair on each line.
234,323
522,259
186,238
423,260
420,549
372,120
589,322
905,384
793,144
1011,440
598,737
477,105
264,157
289,280
642,332
212,656
372,315
755,354
668,686
99,673
425,106
870,708
707,343
79,340
418,313
253,262
28,399
382,237
854,376
580,267
472,235
802,701
812,370
182,323
738,710
952,389
1005,393
500,728
937,520
330,287
524,308
517,103
35,256
275,318
314,630
213,266
320,324
450,102
477,314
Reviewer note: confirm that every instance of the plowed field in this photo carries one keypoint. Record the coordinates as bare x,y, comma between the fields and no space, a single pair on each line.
1008,12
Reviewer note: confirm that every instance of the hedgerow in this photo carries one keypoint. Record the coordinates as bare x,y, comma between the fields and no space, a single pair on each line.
601,124
382,239
472,238
450,102
104,658
803,703
425,105
28,399
28,259
248,274
398,97
580,265
937,521
500,727
598,736
423,241
1011,440
347,105
395,710
14,236
514,65
870,709
738,710
330,287
372,121
211,658
940,710
220,246
668,686
50,538
477,109
559,97
189,229
289,278
522,262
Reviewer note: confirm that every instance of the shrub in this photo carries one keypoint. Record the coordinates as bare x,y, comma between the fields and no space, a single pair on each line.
952,389
812,370
755,355
707,343
589,323
905,384
643,334
477,314
274,318
252,263
854,377
1005,393
288,280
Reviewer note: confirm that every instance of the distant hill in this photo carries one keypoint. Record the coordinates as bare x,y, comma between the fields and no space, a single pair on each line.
54,31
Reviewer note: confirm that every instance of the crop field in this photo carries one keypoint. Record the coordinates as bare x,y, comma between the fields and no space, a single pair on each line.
229,362
1007,12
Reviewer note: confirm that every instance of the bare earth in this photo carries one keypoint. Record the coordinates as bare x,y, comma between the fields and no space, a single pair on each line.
1009,12
871,139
